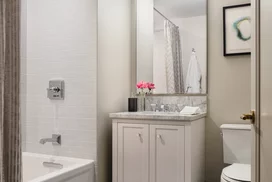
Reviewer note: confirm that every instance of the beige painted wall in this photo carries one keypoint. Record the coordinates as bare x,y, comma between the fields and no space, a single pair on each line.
114,76
229,88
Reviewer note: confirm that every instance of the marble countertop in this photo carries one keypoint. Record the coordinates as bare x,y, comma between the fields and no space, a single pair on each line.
173,116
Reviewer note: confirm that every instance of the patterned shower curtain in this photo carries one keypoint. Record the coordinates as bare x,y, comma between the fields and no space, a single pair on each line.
10,139
173,62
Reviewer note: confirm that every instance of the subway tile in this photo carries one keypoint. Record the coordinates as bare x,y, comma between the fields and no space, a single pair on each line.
62,46
76,112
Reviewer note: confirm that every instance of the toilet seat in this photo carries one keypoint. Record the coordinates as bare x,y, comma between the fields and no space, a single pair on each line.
237,173
227,179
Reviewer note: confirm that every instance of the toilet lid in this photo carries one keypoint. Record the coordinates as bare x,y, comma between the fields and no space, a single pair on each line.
240,172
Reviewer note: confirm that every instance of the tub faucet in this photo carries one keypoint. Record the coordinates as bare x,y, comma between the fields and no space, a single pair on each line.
55,140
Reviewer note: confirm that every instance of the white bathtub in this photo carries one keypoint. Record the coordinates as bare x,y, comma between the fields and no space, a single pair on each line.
73,170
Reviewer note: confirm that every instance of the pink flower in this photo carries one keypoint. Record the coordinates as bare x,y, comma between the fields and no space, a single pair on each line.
142,85
150,85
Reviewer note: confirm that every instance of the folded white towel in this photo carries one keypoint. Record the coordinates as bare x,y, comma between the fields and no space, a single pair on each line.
187,110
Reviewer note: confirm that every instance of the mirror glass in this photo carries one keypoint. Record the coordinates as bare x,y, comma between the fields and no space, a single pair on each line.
172,45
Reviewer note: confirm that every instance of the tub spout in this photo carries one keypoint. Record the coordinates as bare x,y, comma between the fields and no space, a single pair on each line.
55,140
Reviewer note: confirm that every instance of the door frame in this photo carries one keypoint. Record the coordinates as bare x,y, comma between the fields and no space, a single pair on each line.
255,90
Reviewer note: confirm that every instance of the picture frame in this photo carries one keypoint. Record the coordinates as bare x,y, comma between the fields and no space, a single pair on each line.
237,30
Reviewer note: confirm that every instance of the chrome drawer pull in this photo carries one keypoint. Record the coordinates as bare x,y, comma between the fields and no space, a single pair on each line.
159,136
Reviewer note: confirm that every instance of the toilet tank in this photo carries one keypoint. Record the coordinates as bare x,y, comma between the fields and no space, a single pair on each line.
236,143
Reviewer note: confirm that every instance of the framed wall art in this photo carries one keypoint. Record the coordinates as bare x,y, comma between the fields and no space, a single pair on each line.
237,30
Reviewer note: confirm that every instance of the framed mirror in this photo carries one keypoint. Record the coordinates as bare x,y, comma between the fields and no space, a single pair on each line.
171,45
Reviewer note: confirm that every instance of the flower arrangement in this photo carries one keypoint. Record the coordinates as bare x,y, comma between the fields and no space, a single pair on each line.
142,86
150,86
145,85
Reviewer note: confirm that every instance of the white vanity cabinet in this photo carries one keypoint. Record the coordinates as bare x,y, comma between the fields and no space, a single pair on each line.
158,150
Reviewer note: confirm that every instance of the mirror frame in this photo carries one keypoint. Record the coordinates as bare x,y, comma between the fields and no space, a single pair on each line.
134,54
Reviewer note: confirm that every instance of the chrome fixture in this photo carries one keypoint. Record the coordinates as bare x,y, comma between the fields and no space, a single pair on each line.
165,108
140,137
162,15
55,140
55,90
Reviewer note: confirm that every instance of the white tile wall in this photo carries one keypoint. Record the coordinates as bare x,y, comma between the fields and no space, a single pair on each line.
61,42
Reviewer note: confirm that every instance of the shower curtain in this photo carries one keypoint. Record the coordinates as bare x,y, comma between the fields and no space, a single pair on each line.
173,62
10,139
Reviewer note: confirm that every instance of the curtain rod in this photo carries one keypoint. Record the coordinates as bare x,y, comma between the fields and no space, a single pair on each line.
164,16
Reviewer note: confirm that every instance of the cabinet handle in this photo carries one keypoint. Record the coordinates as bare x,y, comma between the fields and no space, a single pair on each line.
159,136
140,137
161,139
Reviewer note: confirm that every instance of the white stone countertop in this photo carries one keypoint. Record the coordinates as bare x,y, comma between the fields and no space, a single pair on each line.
149,115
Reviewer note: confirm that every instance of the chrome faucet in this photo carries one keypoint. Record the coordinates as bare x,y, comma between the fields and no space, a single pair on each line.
55,140
165,108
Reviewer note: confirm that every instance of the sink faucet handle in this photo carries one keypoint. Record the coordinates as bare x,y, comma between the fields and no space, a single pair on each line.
165,108
162,108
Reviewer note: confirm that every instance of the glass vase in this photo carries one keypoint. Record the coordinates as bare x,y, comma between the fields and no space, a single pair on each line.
141,103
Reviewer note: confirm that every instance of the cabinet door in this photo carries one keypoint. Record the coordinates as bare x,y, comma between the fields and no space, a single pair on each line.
133,153
167,153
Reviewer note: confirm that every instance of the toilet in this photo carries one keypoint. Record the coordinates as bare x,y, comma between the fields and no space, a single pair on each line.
237,152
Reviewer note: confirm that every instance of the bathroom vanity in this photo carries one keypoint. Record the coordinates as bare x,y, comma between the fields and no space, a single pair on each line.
158,147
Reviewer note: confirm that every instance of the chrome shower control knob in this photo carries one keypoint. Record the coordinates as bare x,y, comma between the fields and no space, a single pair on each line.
55,89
